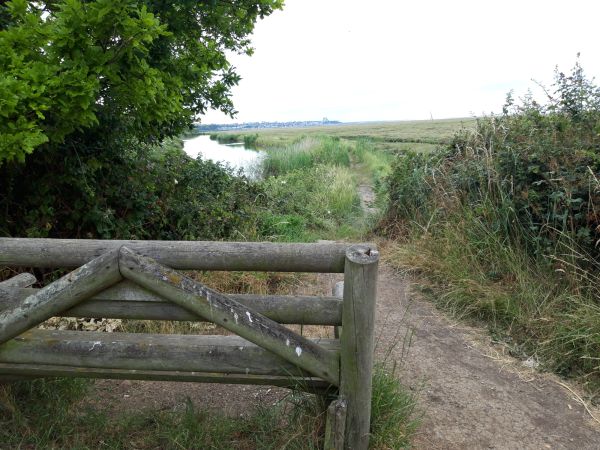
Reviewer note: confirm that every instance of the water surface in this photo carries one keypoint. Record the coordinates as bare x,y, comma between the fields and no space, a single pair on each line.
236,156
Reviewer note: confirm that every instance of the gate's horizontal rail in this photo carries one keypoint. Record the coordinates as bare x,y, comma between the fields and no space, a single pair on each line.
19,371
190,255
127,301
150,352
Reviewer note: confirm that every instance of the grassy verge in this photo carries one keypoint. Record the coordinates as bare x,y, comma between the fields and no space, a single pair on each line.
305,153
310,192
540,312
544,307
46,414
315,203
372,165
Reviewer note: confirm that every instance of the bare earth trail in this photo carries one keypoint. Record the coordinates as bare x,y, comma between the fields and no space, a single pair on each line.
471,398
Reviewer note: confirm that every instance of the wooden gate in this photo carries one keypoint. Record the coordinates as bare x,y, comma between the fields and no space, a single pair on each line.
139,280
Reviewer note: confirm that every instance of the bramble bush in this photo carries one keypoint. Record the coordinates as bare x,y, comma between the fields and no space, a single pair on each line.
89,90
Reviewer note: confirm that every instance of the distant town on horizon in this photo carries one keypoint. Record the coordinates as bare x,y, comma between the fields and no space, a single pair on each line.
253,125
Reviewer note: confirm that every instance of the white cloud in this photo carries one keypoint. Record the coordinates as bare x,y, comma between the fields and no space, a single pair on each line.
392,60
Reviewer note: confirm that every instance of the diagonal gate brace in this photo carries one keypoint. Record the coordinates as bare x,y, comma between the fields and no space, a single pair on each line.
61,295
229,314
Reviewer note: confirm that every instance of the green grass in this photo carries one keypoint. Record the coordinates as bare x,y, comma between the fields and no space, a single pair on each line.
46,414
305,153
312,188
394,417
311,191
418,135
309,204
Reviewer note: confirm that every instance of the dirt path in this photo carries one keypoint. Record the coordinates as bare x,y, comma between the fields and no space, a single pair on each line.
367,198
474,398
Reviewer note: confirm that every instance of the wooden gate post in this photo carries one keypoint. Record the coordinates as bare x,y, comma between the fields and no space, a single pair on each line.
357,342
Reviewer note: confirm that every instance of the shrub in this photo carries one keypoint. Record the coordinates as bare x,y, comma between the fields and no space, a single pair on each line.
320,198
129,192
531,173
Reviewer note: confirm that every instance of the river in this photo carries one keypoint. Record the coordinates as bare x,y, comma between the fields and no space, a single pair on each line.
236,156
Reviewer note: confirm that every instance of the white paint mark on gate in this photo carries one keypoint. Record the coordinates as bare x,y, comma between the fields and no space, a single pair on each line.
95,344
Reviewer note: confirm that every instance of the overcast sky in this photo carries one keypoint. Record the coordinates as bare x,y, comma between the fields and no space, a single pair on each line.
363,60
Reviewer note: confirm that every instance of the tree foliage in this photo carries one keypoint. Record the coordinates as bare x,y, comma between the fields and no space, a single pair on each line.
143,69
93,88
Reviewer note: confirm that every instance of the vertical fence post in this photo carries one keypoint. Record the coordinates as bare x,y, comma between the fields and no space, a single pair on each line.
357,342
338,291
336,425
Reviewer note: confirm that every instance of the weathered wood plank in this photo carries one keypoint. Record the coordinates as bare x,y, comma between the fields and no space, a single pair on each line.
19,371
192,255
20,280
149,352
60,295
230,314
338,292
335,425
128,301
357,342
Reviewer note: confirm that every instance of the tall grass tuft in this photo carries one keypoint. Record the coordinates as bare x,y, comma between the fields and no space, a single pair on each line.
311,203
393,411
305,153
